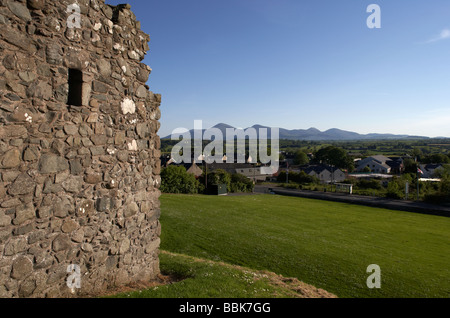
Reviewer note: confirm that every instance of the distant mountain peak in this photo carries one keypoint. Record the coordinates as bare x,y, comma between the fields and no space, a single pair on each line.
222,125
314,134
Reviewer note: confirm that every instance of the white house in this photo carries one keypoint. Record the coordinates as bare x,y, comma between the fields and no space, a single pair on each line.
376,164
326,174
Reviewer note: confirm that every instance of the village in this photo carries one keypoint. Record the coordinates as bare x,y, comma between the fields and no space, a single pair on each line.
372,167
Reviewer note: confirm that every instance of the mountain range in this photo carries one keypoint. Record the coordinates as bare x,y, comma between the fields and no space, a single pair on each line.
313,134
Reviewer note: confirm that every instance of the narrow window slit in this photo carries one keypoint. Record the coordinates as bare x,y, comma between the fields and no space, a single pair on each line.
75,87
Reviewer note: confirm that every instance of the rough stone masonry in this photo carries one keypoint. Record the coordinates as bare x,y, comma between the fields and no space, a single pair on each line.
79,150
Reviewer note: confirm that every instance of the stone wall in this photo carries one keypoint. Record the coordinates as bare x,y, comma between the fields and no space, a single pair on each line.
78,183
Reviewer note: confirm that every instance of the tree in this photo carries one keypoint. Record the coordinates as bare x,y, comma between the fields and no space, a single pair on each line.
219,176
175,179
410,166
301,158
436,158
417,154
334,156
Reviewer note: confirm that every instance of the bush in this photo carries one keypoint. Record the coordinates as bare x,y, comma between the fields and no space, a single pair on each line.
394,191
443,194
294,186
175,179
234,182
369,184
240,183
219,176
301,177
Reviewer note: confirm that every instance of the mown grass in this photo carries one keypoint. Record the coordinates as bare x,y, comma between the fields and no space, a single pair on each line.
328,245
199,278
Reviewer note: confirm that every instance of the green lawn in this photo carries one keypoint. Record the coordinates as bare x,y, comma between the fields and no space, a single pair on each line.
325,244
199,278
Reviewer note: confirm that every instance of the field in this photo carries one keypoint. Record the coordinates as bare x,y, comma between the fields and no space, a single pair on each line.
324,244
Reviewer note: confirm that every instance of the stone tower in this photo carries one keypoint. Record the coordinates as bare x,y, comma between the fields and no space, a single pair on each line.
79,150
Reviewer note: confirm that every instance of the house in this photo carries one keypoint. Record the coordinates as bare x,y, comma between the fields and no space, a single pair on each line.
396,164
376,164
429,170
195,170
325,173
250,171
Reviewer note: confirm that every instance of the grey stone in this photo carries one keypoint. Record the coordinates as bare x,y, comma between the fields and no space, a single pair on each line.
75,167
31,153
23,229
36,4
10,175
10,62
50,163
36,237
62,207
57,275
40,90
50,187
99,140
54,54
73,184
143,130
27,288
21,267
86,247
104,67
124,246
24,214
104,204
93,178
93,118
27,76
24,184
11,203
111,262
142,75
11,159
97,151
86,94
153,246
141,92
69,226
44,212
15,246
86,142
19,10
61,243
122,155
85,130
119,139
131,210
5,220
107,11
4,235
71,129
99,87
78,236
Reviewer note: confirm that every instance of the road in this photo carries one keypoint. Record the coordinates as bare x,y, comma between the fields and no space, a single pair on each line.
417,207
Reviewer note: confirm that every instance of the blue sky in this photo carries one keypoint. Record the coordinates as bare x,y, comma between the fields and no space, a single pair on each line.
300,64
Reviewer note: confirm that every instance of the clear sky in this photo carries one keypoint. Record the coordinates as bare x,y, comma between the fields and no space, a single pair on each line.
298,64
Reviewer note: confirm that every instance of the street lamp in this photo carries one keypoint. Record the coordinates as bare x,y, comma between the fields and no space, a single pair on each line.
202,158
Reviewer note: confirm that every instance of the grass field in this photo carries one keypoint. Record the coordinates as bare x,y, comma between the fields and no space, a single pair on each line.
328,245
